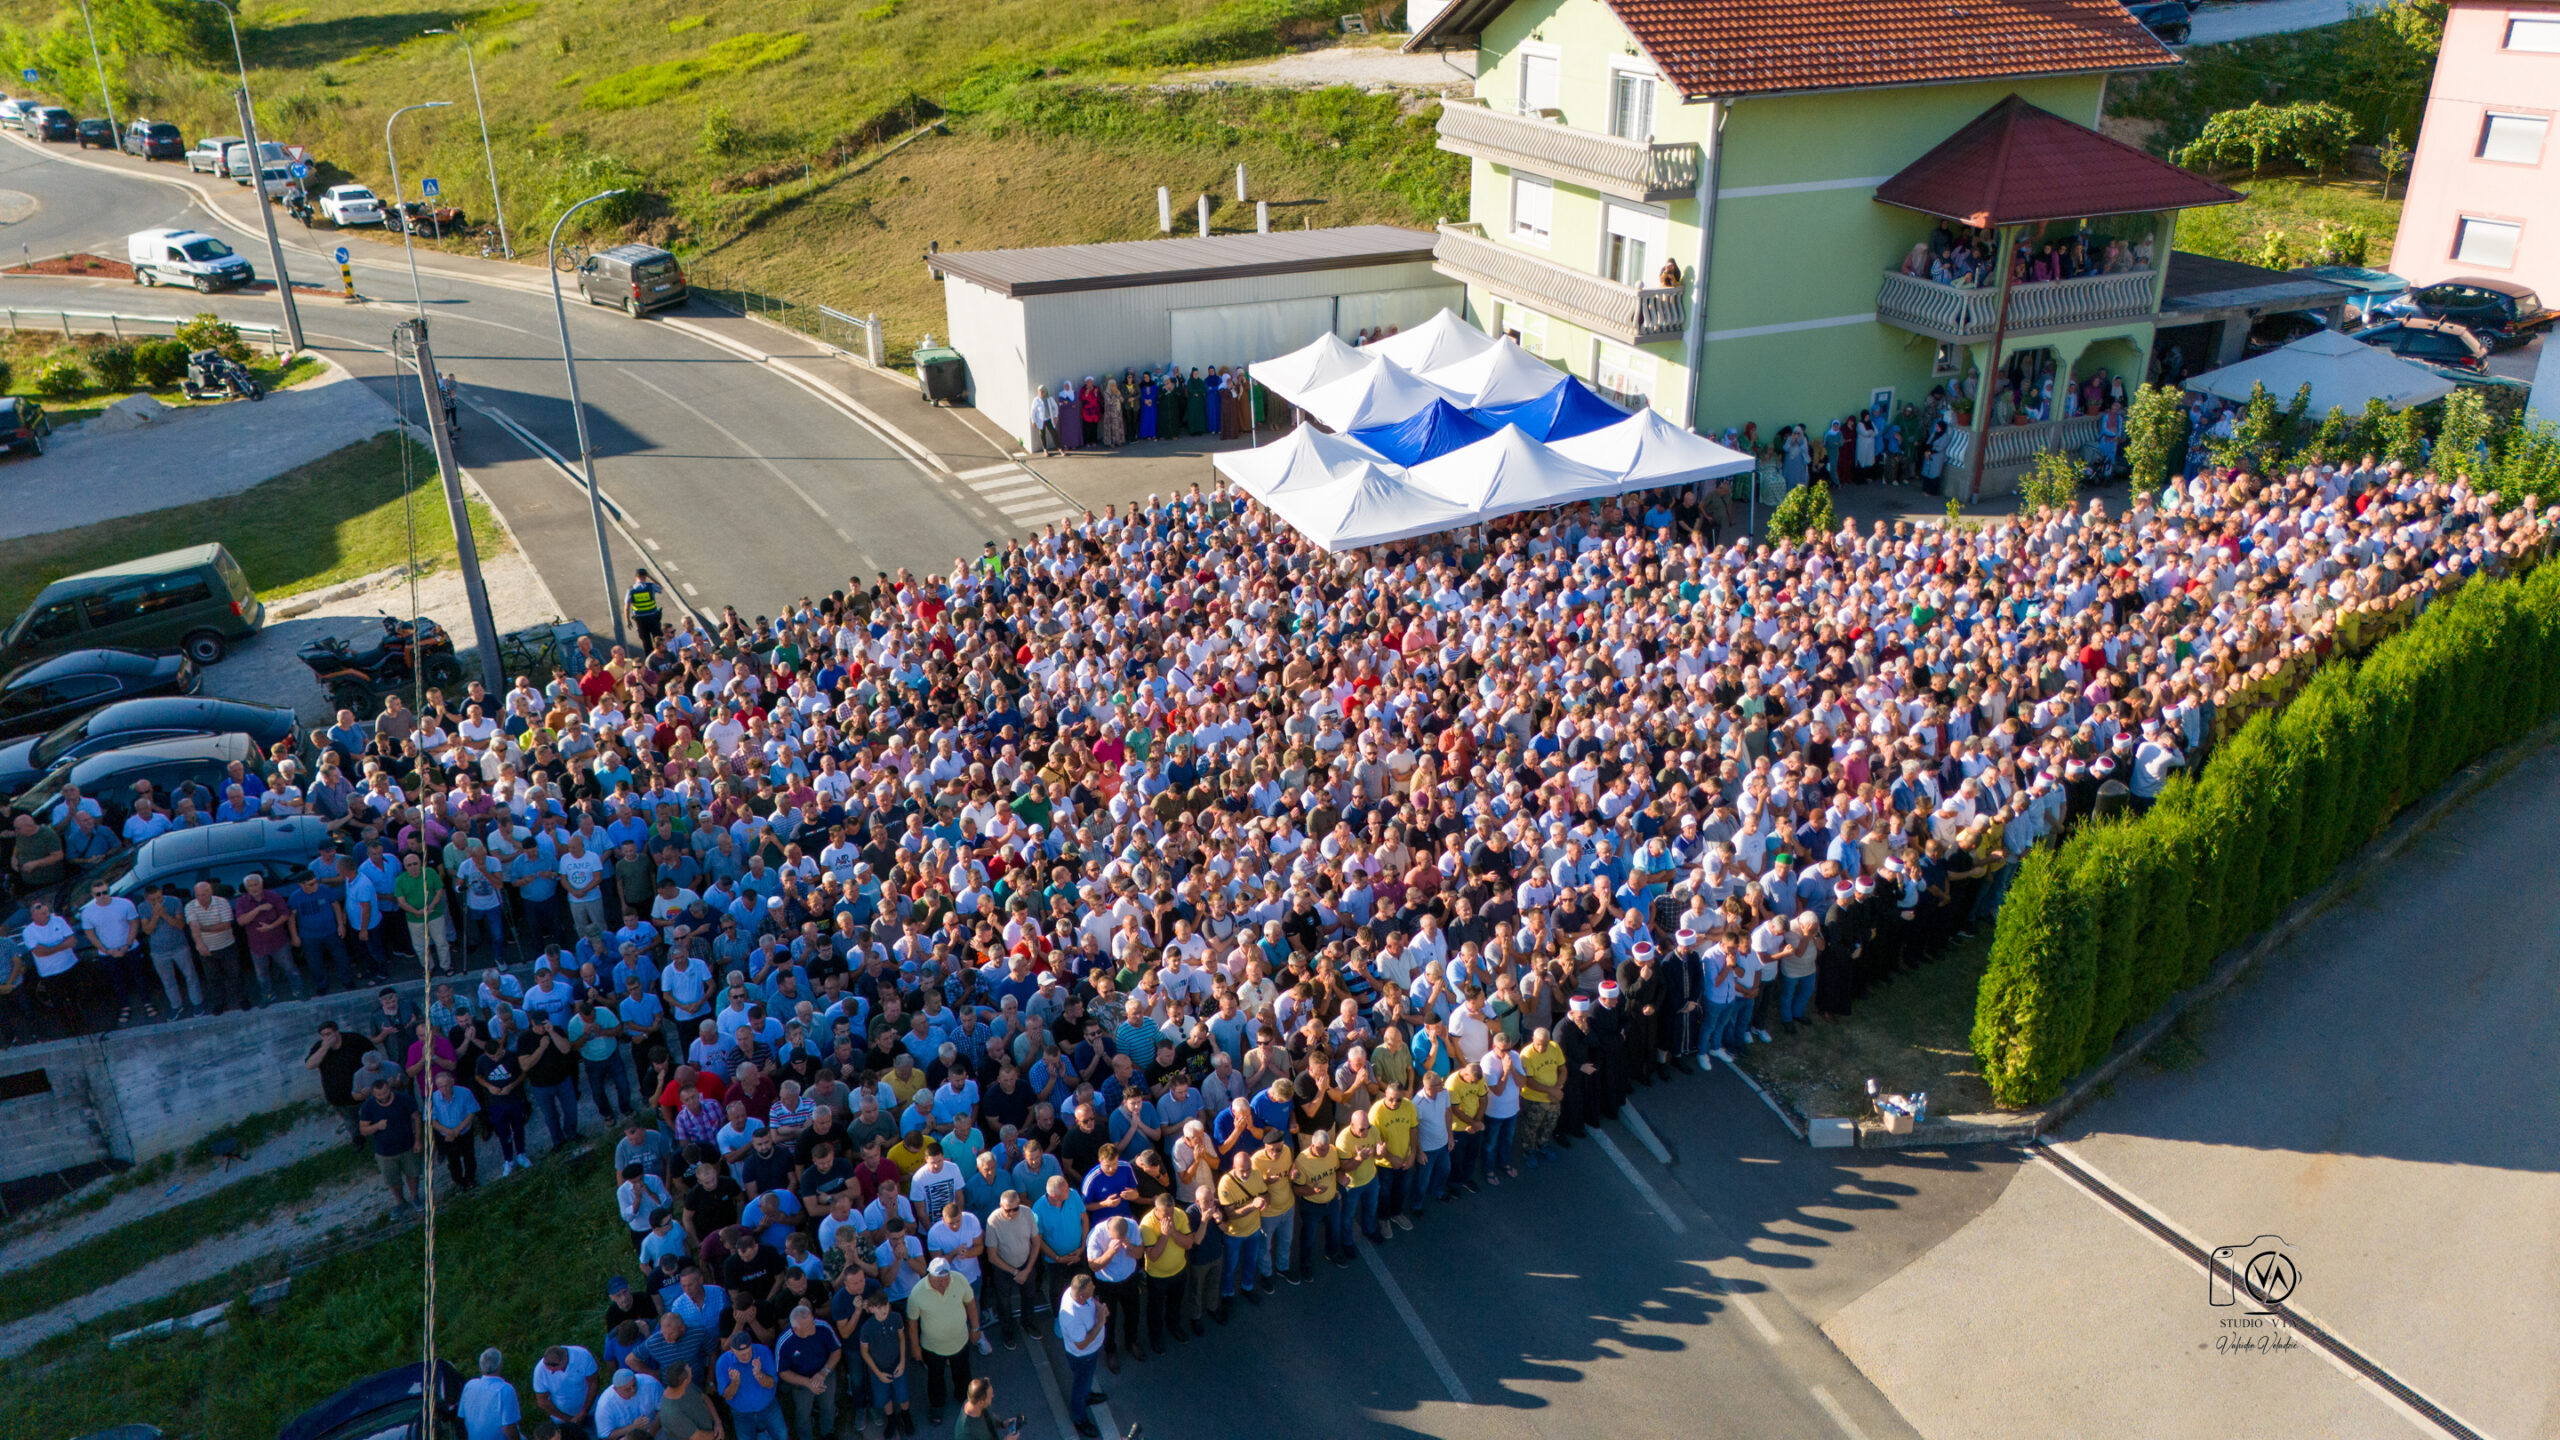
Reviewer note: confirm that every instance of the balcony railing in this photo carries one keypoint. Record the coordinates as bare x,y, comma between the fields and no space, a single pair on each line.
1629,168
1623,313
2018,444
1951,312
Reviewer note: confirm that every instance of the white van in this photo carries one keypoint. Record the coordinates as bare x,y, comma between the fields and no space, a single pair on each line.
185,257
235,159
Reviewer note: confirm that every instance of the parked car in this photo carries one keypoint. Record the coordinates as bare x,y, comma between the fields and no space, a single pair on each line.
226,854
208,155
54,123
2500,312
13,113
133,722
97,135
2272,332
382,1408
23,426
638,278
186,257
2438,344
196,764
154,140
195,600
351,205
42,695
2167,19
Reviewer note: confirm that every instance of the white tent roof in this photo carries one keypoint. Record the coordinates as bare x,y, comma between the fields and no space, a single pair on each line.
1302,459
2342,372
1443,339
1500,374
1647,451
1367,507
1507,472
1379,393
1301,370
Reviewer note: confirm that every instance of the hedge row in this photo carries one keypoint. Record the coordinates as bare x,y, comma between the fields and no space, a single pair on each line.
2097,932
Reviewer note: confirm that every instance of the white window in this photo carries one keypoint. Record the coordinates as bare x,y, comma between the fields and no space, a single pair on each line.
1541,83
1533,209
1632,237
2516,139
1622,374
2537,34
1630,105
2486,242
1520,320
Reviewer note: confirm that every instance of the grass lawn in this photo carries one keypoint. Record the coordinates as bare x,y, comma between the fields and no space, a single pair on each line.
520,1265
1911,1033
334,519
2298,207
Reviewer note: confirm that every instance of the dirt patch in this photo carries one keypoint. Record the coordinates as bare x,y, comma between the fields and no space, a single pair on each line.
81,263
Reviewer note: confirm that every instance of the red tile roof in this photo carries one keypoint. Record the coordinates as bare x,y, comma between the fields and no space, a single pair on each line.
1770,47
2016,163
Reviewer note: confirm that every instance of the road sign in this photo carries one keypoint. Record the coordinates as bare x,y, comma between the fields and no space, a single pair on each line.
300,170
30,75
342,254
430,189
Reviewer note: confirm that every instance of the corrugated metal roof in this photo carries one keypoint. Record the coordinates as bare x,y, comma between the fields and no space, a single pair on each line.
1724,48
2016,163
1064,269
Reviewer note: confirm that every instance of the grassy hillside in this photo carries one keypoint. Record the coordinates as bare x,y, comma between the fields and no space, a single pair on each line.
745,131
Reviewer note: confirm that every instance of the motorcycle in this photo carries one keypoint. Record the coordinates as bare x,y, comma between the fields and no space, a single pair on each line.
211,373
358,678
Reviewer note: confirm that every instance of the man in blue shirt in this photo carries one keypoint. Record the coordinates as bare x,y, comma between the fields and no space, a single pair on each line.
489,1407
745,1379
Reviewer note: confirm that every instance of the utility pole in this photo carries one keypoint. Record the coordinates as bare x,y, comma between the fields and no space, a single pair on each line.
578,408
108,96
484,626
258,182
489,153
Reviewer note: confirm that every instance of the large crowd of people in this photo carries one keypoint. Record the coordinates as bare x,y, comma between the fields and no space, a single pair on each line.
1075,944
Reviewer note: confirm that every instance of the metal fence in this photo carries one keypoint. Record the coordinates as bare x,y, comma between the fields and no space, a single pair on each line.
858,336
97,321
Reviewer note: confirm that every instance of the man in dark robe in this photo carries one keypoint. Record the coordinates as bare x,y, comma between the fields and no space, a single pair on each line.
1681,1000
1609,1050
1640,992
1576,1115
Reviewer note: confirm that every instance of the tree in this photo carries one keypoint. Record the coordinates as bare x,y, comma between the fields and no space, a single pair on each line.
2155,435
1806,511
2528,463
2462,435
2053,484
2395,158
2334,442
2313,134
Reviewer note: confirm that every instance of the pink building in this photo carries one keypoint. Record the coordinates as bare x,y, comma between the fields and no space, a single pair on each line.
2484,189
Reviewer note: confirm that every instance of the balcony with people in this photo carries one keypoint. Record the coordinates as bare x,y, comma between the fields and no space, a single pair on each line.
2062,274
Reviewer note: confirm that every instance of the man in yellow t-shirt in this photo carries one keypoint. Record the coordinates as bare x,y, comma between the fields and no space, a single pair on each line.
911,1151
1244,1195
1164,1237
1466,1126
1397,1121
1541,1088
1276,1163
1315,1176
1361,1147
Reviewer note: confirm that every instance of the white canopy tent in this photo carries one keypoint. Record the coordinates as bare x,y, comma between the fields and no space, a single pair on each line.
1500,374
1508,472
1306,458
1644,451
1368,507
2341,372
1378,393
1303,369
1444,339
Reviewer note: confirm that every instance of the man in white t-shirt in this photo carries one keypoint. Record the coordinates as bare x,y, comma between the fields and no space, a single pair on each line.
61,980
582,872
114,928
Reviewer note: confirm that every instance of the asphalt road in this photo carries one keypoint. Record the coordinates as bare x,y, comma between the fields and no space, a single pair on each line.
751,490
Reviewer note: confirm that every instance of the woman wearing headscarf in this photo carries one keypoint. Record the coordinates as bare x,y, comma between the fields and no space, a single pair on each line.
1090,397
1195,405
1795,457
1128,404
1115,426
1147,406
1230,406
1070,418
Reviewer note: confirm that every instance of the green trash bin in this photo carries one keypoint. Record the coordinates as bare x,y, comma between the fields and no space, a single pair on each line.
942,375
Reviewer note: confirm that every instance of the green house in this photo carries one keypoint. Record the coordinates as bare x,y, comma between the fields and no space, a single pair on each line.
1706,205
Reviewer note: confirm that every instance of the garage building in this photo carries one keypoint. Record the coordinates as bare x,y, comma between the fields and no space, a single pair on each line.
1025,318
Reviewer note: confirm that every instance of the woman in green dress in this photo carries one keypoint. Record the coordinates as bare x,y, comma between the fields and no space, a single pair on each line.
1195,405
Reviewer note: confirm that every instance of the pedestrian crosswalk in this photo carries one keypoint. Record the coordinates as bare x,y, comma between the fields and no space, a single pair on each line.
1020,496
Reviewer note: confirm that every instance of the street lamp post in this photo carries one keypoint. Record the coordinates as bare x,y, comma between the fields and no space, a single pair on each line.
408,240
487,152
258,178
578,409
114,127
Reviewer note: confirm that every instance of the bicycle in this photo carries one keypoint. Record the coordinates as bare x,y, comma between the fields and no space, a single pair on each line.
571,257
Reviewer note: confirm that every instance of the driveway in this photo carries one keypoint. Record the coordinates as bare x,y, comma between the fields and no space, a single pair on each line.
2216,23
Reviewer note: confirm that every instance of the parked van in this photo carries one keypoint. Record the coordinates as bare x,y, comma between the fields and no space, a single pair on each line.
635,277
235,159
185,257
195,600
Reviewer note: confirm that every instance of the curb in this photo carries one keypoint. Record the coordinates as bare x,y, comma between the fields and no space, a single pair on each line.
2018,1127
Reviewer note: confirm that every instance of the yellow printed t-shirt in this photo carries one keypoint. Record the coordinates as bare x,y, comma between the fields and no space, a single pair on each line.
1235,1192
1274,1172
1395,1124
1466,1106
1545,1068
1317,1173
1359,1157
1168,1264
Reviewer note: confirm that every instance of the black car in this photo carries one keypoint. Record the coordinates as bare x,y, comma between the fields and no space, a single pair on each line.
2164,18
97,135
2440,344
154,140
43,694
382,1408
197,765
132,722
279,851
2500,312
53,123
23,426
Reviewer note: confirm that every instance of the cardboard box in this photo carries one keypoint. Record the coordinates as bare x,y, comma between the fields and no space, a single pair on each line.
1897,1122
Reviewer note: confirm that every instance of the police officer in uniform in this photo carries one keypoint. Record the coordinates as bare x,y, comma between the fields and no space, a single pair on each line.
646,612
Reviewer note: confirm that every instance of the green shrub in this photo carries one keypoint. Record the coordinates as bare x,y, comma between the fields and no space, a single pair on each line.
62,379
2161,875
2155,436
8,376
1806,511
115,365
2031,1016
208,331
161,363
2462,435
2110,866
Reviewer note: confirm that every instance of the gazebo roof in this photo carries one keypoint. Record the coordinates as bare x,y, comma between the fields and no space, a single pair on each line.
2016,164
